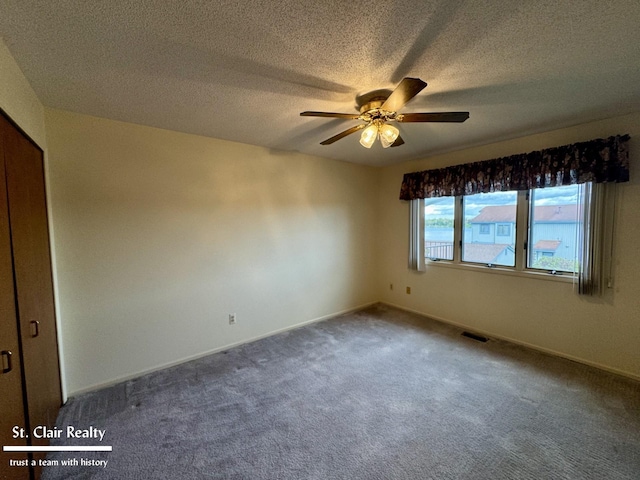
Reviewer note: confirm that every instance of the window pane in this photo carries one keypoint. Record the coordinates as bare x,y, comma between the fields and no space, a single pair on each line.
489,233
438,227
553,228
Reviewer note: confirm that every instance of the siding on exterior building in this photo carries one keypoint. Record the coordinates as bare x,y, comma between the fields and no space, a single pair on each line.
566,233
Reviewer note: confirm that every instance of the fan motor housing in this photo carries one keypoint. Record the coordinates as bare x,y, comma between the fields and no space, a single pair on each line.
372,100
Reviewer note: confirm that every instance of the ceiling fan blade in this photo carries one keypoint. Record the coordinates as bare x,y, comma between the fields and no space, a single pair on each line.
434,117
353,116
399,141
405,91
349,131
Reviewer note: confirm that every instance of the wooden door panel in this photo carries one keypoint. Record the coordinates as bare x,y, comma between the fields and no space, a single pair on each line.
11,398
33,281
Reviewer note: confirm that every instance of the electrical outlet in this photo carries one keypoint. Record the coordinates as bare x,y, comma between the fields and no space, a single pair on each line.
232,319
408,290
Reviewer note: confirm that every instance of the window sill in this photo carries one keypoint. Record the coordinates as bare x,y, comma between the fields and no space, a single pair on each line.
564,278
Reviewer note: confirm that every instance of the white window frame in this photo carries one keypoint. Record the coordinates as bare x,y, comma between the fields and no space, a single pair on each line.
521,245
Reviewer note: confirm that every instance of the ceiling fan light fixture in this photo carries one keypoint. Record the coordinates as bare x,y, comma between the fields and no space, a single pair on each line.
369,135
388,135
381,106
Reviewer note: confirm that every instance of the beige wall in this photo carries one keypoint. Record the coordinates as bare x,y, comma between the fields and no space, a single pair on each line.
160,235
542,313
18,99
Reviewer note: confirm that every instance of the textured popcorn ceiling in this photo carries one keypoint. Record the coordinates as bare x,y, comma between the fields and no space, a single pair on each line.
244,70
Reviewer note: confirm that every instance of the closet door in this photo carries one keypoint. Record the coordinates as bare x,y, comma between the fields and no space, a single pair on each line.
33,281
11,399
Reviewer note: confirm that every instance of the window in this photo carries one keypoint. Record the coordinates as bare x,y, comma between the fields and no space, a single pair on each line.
503,230
438,228
487,229
554,225
598,165
498,209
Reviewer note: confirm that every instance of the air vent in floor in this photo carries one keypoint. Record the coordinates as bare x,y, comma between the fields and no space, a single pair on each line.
479,338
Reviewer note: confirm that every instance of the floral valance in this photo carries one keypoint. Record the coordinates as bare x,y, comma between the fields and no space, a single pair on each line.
599,161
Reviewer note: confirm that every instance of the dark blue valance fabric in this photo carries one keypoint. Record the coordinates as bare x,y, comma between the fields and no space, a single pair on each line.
601,160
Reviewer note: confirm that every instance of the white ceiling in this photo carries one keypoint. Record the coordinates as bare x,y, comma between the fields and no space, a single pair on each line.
244,70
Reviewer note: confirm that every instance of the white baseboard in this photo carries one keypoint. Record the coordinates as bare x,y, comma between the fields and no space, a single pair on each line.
549,351
140,373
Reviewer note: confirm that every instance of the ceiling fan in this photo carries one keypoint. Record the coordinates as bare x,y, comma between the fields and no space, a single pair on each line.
379,107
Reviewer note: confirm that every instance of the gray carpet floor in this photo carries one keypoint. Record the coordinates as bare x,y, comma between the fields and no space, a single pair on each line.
376,394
